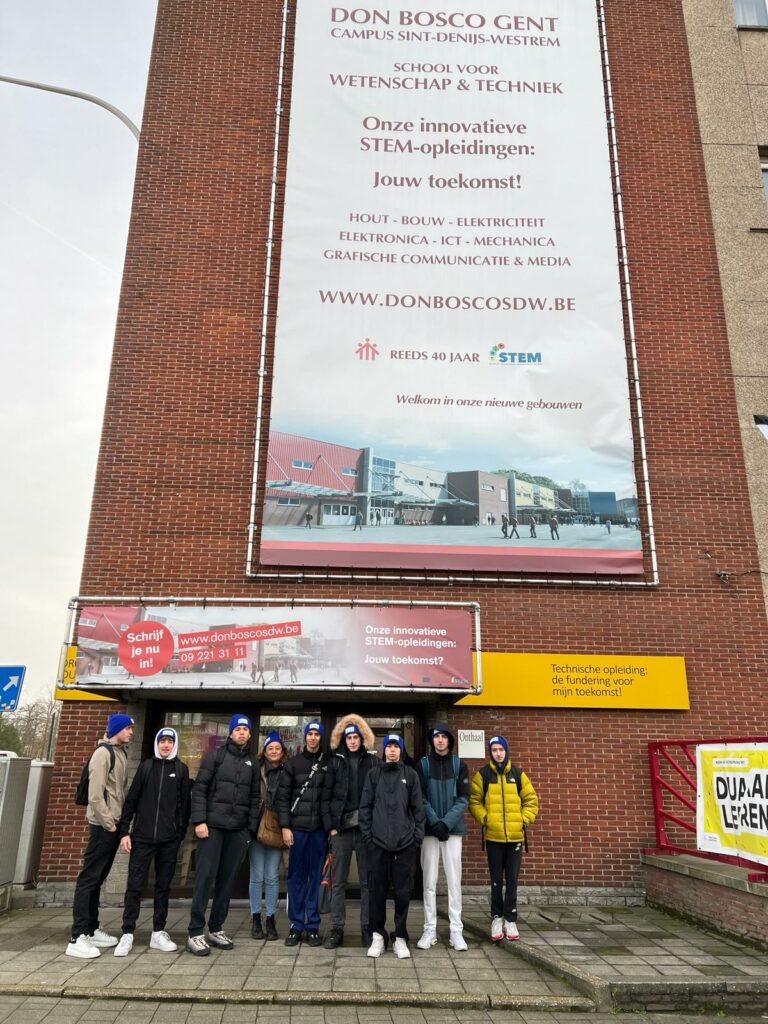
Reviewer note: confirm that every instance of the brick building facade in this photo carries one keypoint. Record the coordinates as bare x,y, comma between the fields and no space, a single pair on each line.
171,501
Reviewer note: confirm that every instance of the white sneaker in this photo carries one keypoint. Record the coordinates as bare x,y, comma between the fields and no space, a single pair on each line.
125,945
400,949
103,939
427,940
83,948
510,931
376,947
163,942
197,945
497,929
458,942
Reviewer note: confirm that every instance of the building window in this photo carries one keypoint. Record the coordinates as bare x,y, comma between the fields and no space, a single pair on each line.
750,13
763,152
349,472
300,464
288,501
487,487
502,494
761,422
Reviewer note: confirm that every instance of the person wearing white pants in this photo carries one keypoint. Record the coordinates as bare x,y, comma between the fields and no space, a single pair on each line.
445,784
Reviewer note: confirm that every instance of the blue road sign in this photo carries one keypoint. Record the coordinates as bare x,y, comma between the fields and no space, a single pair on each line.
11,679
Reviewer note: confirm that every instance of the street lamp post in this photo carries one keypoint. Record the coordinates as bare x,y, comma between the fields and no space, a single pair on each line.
78,95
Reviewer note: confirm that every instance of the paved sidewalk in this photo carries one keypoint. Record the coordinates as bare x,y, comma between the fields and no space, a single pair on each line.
32,960
636,956
568,960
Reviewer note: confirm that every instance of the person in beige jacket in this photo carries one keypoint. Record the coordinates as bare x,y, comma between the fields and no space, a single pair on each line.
107,770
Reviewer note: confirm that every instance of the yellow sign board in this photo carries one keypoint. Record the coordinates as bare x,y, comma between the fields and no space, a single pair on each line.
732,799
67,675
581,681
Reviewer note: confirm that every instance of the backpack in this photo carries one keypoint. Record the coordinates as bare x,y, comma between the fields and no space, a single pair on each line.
513,775
81,793
455,760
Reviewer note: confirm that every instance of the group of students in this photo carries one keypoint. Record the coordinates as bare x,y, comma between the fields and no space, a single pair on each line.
386,810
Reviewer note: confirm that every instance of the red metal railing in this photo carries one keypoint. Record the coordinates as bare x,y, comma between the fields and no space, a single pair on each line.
673,787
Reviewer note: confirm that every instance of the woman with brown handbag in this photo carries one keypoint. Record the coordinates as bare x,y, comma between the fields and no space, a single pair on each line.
266,849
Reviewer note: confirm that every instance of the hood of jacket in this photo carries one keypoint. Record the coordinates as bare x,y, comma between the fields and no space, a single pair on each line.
440,727
164,732
369,740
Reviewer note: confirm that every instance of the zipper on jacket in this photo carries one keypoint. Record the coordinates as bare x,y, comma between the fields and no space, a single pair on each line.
159,793
502,779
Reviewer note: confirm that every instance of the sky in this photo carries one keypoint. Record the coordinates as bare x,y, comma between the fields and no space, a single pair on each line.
66,182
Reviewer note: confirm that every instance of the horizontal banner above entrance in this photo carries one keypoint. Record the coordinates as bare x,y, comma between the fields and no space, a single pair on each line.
296,647
582,681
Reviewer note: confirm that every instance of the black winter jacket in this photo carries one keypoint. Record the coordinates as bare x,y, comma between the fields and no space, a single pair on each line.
158,801
337,797
391,807
306,816
226,791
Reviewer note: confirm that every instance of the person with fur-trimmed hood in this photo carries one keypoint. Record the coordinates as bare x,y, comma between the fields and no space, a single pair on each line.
353,754
445,784
158,806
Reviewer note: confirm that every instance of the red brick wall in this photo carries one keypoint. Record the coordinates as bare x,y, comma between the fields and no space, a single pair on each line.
171,501
82,725
729,910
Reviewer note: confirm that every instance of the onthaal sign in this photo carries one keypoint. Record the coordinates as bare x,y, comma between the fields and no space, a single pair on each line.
450,376
296,647
581,681
732,799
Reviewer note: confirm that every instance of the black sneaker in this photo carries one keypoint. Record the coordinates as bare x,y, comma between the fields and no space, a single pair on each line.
313,938
257,932
271,929
335,938
293,938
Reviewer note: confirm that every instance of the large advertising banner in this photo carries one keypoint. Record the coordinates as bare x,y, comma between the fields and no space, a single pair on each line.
450,377
732,799
299,647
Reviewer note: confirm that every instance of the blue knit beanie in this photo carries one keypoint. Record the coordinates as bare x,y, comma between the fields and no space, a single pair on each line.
273,737
236,720
392,737
317,726
116,724
501,741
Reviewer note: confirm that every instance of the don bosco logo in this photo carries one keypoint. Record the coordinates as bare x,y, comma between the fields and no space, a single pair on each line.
366,350
499,354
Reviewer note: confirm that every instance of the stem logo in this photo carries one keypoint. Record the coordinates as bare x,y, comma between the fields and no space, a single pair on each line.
499,355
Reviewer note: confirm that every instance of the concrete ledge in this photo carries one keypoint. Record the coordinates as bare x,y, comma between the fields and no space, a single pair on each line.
695,995
718,873
421,1000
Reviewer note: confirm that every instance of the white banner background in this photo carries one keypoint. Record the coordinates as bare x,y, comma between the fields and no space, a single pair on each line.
356,67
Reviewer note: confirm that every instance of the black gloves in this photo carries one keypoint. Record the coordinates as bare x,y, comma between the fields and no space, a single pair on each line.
441,831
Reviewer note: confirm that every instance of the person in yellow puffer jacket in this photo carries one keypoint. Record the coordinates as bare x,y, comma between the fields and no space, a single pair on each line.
503,801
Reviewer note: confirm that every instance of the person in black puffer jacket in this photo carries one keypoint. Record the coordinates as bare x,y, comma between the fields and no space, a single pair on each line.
158,805
225,808
392,824
300,815
352,757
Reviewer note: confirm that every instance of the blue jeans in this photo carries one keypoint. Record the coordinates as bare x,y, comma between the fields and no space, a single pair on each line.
305,865
265,868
